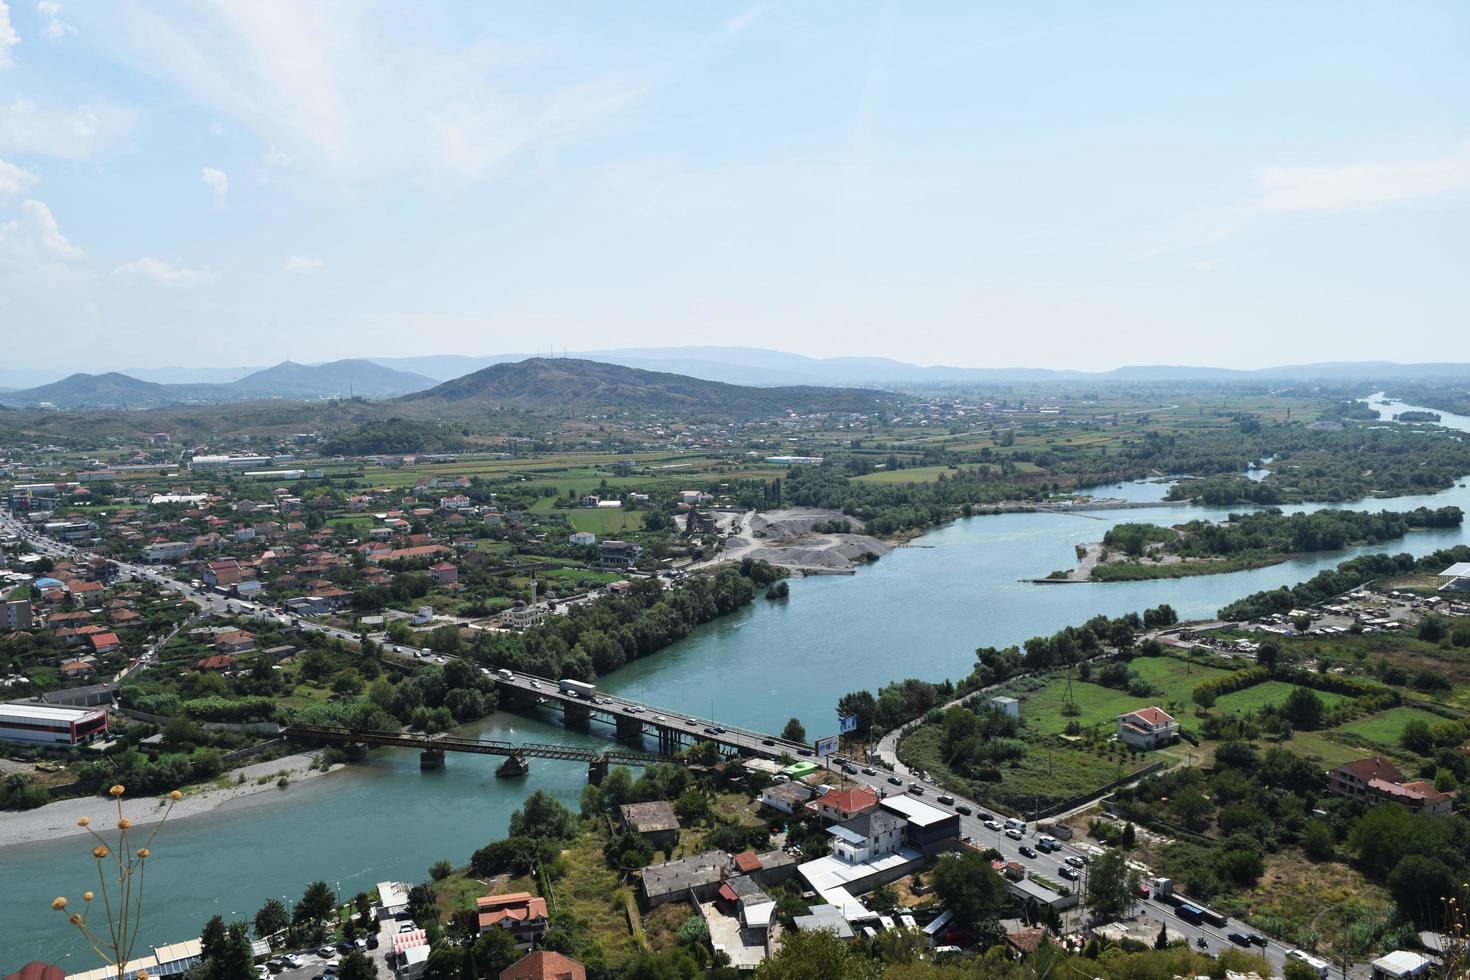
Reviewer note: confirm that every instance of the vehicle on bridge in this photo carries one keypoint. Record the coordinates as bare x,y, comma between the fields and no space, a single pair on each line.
578,689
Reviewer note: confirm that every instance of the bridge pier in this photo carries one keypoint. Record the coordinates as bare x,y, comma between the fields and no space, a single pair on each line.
629,729
356,751
668,740
431,759
597,771
573,712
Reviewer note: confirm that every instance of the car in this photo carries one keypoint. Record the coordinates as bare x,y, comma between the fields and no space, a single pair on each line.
633,709
768,741
1239,938
992,824
372,940
895,780
293,961
1027,852
275,965
407,927
804,752
262,972
850,770
1071,874
1014,834
345,946
1256,939
659,718
1075,861
869,772
711,730
947,800
916,789
1143,891
326,952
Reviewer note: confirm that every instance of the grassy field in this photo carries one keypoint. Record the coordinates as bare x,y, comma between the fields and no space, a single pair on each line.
914,474
1271,692
1385,727
1176,678
604,520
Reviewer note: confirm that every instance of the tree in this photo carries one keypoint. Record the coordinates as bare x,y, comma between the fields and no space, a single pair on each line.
818,955
1268,655
494,951
212,938
1417,737
543,815
357,966
674,964
1161,941
1387,833
318,902
441,869
1318,840
969,887
794,731
863,706
1422,887
1303,708
1112,886
1240,859
271,918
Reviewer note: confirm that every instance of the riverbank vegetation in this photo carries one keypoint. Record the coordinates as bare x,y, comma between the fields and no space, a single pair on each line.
1351,574
1133,552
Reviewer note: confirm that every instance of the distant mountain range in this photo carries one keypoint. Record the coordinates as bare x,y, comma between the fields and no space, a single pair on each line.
731,365
286,380
573,386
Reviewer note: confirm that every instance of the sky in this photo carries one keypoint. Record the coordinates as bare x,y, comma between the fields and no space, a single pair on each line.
1043,185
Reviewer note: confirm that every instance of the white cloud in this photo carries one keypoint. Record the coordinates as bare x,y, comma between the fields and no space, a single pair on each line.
72,133
349,89
304,265
8,38
164,274
35,236
218,183
1365,185
216,129
55,28
14,181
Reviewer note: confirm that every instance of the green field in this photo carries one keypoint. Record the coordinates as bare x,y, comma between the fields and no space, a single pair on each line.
914,474
1174,677
604,520
1270,693
351,520
1385,727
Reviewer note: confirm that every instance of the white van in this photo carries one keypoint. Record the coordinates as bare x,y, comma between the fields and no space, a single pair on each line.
1013,824
1320,966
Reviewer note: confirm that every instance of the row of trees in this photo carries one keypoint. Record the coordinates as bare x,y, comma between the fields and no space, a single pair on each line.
1347,576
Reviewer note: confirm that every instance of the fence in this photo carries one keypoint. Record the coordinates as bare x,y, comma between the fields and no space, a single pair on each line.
252,728
251,751
1096,794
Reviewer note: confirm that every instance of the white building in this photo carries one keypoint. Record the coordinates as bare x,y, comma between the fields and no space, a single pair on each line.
1147,728
867,836
230,462
50,724
582,538
1006,706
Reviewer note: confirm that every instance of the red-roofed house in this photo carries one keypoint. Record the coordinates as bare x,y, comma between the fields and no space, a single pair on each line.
522,913
104,642
1352,779
444,573
543,964
236,641
219,661
217,573
748,862
1147,728
843,804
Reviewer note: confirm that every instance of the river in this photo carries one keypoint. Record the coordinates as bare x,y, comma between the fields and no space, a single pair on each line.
919,612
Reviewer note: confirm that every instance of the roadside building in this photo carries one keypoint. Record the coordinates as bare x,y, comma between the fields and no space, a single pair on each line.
673,881
785,797
1401,964
1351,779
620,554
50,724
1147,728
843,804
582,538
443,573
655,822
1006,706
927,828
521,913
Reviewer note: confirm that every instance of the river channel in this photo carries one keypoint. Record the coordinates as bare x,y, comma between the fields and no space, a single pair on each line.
919,612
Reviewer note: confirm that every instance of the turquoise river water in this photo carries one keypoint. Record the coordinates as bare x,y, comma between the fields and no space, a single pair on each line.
919,612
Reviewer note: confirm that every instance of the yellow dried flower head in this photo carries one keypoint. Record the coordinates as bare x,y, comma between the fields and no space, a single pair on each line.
83,822
58,903
87,896
142,975
143,852
124,824
75,919
176,796
117,789
100,851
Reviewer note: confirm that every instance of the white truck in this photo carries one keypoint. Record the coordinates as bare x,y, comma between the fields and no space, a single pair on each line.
578,689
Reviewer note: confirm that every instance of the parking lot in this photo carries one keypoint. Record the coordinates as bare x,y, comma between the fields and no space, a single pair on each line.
314,965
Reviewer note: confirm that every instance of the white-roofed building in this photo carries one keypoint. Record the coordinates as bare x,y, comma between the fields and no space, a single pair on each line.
51,724
1459,577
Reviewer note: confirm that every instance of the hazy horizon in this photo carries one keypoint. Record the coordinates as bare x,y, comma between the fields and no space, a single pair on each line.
222,185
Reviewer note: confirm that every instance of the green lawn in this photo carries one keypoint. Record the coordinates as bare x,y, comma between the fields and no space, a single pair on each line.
1271,692
1385,727
1318,746
914,474
604,520
1174,677
351,520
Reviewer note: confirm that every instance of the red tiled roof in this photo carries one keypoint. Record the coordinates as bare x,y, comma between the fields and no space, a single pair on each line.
542,964
1368,770
747,862
100,640
1154,716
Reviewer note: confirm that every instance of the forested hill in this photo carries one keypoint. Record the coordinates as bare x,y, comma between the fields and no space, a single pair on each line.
564,386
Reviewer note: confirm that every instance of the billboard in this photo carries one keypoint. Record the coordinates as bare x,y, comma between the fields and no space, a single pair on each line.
828,745
847,723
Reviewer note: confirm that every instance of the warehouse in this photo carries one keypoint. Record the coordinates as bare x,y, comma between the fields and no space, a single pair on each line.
51,724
